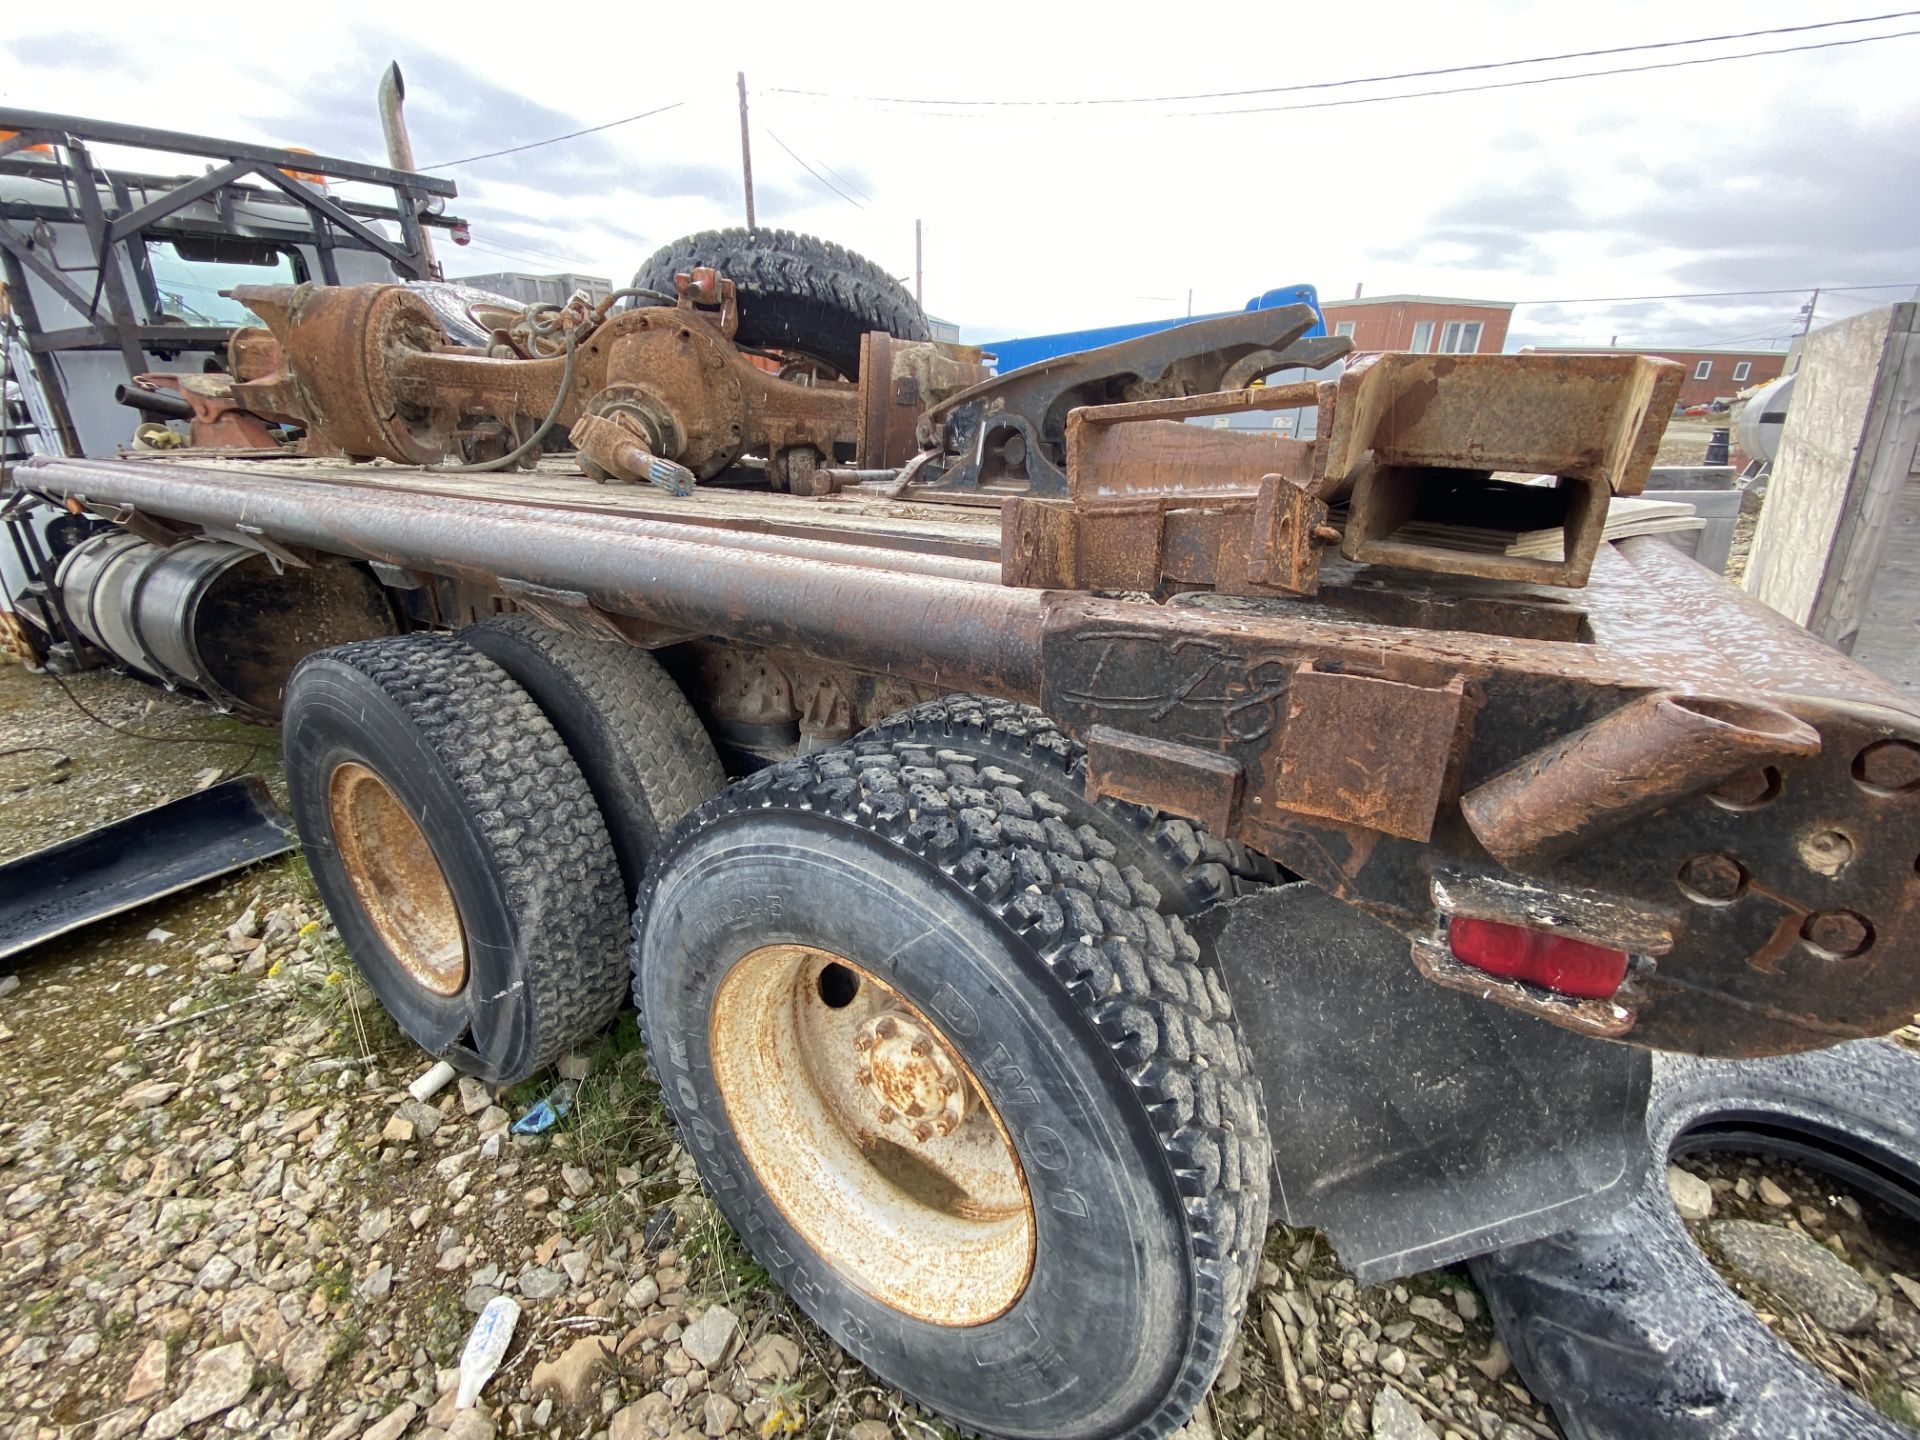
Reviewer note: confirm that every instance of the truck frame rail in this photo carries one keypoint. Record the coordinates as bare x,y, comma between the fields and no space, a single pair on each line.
1653,762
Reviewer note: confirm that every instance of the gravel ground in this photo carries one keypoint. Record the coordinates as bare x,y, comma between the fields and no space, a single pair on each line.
220,1212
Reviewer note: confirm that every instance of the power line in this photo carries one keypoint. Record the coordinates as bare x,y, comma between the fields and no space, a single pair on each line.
1720,294
842,179
555,140
815,173
1552,79
1359,80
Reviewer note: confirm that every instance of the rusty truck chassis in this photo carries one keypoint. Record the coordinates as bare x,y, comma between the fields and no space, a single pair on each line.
1609,744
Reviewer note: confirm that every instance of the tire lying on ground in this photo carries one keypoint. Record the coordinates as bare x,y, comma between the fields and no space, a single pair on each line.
642,750
1625,1327
796,292
458,850
960,1085
1188,866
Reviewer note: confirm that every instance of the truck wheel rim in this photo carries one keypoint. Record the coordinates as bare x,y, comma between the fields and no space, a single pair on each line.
872,1136
397,878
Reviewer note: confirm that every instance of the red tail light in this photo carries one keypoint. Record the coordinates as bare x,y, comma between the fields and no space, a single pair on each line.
1540,957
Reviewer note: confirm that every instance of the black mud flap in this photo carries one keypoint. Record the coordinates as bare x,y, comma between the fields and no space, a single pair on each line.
1418,1126
121,866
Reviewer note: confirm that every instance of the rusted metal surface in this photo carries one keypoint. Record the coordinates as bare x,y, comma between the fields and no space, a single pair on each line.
1780,948
216,421
1415,436
1149,503
1774,906
1587,417
1139,768
1369,750
872,1134
1008,435
615,445
922,1086
1640,758
370,371
397,879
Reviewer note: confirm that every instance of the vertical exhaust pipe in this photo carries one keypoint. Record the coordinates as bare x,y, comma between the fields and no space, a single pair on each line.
393,123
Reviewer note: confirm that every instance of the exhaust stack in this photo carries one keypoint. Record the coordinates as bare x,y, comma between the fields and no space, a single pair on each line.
393,123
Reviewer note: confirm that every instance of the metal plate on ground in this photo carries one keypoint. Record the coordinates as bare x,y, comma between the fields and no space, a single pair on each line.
118,867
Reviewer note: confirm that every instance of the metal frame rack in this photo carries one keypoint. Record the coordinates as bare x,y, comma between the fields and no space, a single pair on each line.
103,204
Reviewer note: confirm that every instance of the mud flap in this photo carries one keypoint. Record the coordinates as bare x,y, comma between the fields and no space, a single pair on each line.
119,867
1415,1125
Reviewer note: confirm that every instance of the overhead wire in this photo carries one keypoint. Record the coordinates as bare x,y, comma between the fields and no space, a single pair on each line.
1721,294
949,110
552,140
1551,79
1027,102
815,173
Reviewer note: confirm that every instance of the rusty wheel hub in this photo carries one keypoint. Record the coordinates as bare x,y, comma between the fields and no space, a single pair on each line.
871,1135
397,879
920,1084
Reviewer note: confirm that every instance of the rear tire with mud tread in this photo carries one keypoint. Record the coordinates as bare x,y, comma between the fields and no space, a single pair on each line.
1190,867
512,826
1097,1023
643,751
797,292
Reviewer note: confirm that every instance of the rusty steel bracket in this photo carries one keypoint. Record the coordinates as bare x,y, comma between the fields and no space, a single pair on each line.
1008,435
1157,505
562,609
1406,446
1416,440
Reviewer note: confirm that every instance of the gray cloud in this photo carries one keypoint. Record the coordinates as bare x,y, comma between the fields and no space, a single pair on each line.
1808,194
67,49
454,111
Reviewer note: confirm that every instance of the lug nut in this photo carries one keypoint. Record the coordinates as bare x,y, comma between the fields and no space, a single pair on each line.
863,1075
862,1041
1748,789
1713,879
1891,765
922,1130
1838,932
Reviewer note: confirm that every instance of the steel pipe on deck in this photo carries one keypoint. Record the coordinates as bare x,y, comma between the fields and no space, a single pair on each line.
880,610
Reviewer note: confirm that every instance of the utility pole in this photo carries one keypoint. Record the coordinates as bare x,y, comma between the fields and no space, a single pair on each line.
1806,311
746,148
918,299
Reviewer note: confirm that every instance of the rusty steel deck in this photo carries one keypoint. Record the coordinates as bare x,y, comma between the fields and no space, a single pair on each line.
1653,761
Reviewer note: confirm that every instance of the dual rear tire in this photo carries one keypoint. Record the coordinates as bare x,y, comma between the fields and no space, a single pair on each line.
929,1022
472,810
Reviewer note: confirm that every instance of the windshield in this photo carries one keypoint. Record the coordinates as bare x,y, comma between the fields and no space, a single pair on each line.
190,289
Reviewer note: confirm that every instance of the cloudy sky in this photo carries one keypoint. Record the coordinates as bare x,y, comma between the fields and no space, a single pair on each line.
1775,173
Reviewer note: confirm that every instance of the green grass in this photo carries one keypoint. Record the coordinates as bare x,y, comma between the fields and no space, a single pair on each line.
1891,1399
618,1119
716,1261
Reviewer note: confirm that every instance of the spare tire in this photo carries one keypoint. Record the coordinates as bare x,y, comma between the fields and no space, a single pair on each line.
1627,1330
797,293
